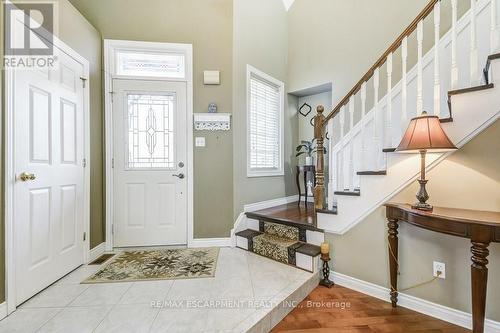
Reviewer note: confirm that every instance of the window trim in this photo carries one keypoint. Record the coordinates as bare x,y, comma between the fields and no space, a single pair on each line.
280,171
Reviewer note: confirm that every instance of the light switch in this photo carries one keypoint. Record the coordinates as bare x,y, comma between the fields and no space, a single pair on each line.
199,141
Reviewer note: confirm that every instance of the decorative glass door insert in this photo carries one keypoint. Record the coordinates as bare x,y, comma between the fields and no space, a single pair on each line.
150,129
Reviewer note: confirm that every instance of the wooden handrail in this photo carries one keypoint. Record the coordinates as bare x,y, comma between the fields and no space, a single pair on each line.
394,46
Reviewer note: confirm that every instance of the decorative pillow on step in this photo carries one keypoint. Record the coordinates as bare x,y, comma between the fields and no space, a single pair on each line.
272,246
281,230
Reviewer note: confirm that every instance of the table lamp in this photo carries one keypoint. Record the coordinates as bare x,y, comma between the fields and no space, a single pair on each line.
424,133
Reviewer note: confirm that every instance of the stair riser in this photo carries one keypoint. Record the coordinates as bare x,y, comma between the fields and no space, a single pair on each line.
311,237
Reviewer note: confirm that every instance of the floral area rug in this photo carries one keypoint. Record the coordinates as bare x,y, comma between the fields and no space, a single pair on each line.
162,264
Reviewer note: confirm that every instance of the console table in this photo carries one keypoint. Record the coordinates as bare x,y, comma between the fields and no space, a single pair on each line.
480,227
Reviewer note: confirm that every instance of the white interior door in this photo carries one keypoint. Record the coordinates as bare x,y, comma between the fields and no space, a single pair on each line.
150,199
48,164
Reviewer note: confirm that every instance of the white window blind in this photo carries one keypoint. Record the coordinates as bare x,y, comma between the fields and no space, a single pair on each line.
265,98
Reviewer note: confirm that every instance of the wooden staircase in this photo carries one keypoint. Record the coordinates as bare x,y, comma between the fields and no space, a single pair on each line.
445,81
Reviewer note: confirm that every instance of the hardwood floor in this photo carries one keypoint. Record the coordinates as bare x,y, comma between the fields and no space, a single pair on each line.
347,311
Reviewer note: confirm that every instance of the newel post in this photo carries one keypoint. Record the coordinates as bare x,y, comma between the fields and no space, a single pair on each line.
319,189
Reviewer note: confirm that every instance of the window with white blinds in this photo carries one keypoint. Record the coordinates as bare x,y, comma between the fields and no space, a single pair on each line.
265,97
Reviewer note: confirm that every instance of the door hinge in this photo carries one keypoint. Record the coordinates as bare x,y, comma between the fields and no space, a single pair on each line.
113,163
84,236
84,81
112,94
112,229
84,162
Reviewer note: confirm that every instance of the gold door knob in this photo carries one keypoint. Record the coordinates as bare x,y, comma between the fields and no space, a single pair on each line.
25,176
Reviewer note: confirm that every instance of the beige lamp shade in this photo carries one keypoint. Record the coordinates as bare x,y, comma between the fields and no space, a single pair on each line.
425,133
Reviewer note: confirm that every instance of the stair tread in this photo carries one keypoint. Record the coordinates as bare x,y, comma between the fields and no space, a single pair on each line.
332,211
470,89
309,249
494,56
248,233
301,247
372,173
282,241
348,193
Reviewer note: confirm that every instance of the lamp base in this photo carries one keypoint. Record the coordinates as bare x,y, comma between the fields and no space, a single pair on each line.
422,206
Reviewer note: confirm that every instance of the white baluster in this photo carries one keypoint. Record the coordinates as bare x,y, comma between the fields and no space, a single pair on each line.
494,31
437,83
404,84
363,124
388,120
351,144
376,142
331,170
420,74
474,58
341,178
454,66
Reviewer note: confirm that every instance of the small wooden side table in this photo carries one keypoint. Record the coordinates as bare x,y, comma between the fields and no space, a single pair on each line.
481,227
304,169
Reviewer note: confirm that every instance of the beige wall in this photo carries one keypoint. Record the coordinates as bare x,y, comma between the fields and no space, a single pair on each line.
469,179
260,39
208,26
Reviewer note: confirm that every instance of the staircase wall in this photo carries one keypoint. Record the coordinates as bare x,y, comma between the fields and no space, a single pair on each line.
468,179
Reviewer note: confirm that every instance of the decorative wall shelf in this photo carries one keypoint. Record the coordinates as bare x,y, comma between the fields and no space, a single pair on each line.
212,121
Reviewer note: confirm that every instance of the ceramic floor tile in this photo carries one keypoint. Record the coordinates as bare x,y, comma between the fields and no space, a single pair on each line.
76,320
180,321
78,275
147,292
102,294
131,318
232,288
27,320
56,296
190,289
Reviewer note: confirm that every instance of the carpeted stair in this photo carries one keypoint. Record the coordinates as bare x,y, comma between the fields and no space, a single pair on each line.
280,242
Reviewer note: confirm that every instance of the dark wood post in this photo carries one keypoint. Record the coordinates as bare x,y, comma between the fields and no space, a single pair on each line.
319,188
480,239
393,258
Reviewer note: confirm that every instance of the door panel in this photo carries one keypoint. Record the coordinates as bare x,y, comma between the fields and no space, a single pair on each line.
49,144
149,119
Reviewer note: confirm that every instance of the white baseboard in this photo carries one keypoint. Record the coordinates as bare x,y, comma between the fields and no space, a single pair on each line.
270,203
211,242
97,251
3,310
450,315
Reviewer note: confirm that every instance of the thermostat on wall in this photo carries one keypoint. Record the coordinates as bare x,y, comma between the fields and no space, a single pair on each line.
211,77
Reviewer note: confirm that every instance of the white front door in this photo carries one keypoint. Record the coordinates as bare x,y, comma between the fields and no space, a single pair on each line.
149,175
49,175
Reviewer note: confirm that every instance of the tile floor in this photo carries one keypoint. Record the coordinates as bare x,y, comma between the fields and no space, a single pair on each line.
245,289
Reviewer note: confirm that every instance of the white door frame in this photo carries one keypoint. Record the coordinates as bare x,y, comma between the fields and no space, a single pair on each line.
110,48
10,255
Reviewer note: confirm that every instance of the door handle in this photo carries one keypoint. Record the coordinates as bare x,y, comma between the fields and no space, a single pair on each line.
25,176
180,176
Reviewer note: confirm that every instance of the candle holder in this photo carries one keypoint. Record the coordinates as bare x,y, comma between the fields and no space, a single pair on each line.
326,282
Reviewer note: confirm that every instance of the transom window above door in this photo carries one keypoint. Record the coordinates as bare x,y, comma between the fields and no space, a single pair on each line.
150,64
265,112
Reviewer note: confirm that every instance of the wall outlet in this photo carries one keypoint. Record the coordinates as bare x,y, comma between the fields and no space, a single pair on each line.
439,267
